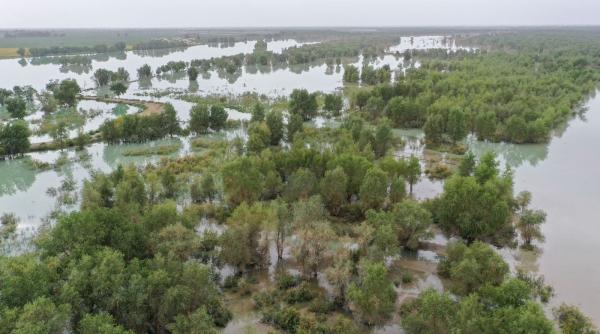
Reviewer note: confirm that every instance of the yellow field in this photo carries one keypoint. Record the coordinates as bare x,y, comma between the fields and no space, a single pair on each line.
8,52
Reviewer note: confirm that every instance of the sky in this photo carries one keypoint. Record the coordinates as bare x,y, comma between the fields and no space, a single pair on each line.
283,13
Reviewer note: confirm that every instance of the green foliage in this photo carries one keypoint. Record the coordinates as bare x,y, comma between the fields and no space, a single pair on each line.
295,125
572,321
351,74
373,189
118,88
334,190
259,137
192,73
373,297
100,324
14,139
218,117
144,72
66,92
472,267
242,181
199,119
303,103
333,103
42,316
16,107
274,121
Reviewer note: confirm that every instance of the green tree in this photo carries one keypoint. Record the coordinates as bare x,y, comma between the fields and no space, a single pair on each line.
472,267
373,189
295,125
100,324
14,138
312,246
572,321
274,121
242,245
457,125
413,172
192,73
67,92
467,164
529,225
218,117
351,74
16,107
199,322
431,313
373,297
397,189
303,103
383,138
334,189
199,119
144,72
259,137
333,103
242,181
301,184
118,88
258,112
42,316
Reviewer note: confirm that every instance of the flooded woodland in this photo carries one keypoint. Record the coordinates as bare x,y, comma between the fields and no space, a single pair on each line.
402,140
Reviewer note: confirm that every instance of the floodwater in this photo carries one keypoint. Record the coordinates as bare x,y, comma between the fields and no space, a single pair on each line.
564,179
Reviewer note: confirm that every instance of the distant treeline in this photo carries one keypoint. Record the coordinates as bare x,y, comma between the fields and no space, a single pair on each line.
65,50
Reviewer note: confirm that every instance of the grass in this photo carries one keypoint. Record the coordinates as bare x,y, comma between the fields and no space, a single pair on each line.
155,150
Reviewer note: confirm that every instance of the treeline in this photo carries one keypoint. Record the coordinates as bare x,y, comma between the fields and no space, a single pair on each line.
65,50
139,128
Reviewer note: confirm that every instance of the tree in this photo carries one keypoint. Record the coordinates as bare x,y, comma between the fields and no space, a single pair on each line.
169,121
118,88
413,172
303,103
572,321
274,121
351,74
102,77
397,189
199,119
383,138
198,322
259,137
312,247
529,225
242,244
373,297
334,189
67,91
43,316
258,113
144,72
333,103
467,164
283,225
14,138
16,107
472,267
412,223
340,273
192,73
100,324
203,189
373,189
431,313
242,181
457,125
403,113
218,117
301,184
295,125
49,103
21,52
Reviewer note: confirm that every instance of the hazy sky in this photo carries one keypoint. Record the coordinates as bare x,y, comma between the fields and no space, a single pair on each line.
266,13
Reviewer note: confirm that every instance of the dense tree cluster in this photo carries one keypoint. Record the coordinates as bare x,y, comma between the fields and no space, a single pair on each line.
141,128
